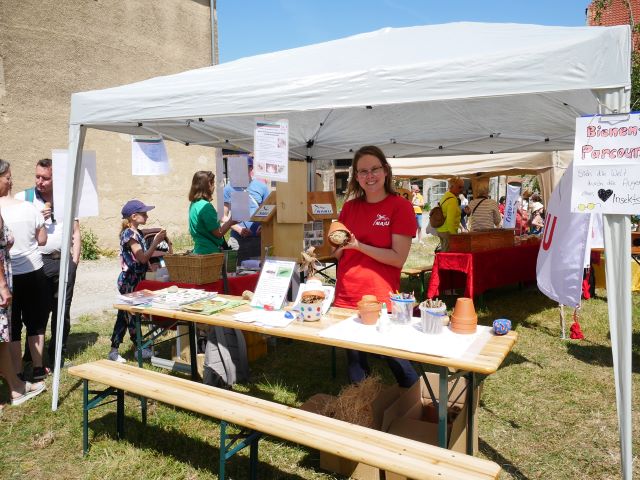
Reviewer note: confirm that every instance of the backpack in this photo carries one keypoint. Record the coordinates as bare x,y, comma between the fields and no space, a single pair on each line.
436,215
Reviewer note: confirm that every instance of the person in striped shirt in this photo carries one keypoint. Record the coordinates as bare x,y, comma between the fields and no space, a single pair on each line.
484,213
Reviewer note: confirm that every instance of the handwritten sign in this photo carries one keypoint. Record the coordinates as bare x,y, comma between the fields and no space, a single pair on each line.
264,211
321,209
606,165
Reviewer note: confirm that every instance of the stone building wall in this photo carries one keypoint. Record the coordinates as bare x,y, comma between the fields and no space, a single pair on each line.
52,48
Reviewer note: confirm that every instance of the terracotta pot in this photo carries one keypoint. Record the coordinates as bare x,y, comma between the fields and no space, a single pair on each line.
464,308
368,310
334,227
464,318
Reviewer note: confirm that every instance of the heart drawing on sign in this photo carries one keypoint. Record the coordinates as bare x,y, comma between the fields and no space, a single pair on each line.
605,194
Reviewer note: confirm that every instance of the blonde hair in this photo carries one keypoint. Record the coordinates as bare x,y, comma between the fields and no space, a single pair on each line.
453,181
124,225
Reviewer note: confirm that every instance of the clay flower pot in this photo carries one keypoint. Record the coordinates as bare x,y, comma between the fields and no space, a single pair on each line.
464,318
311,305
369,309
338,235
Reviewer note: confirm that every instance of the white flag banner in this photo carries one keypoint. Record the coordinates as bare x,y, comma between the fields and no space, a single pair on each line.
562,251
511,206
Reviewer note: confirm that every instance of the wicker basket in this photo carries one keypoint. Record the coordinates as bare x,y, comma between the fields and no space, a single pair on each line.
196,269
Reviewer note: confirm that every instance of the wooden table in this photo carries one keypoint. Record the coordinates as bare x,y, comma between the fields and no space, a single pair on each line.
474,365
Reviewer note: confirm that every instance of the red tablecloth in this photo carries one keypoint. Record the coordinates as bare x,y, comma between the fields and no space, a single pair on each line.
480,271
237,285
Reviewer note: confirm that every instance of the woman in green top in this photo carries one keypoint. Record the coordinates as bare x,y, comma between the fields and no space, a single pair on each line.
204,227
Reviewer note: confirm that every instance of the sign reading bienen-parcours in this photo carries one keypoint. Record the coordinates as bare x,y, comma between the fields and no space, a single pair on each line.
606,164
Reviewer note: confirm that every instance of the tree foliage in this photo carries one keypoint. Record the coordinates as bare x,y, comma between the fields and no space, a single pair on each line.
598,7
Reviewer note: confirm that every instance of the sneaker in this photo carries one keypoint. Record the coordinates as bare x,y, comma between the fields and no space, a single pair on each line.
40,373
114,356
30,391
147,353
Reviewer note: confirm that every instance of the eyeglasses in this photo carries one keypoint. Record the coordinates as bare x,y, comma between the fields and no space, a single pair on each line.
373,171
587,206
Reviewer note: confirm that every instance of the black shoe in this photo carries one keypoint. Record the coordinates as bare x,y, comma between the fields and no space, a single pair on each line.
40,373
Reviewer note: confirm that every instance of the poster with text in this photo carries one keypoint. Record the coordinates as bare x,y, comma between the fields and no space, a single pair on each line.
606,165
148,156
87,199
271,150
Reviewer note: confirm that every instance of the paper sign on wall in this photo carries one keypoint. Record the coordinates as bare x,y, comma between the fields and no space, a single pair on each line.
321,209
264,211
271,150
88,195
606,164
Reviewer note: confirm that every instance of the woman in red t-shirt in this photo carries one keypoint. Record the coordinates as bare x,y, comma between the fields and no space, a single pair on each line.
382,224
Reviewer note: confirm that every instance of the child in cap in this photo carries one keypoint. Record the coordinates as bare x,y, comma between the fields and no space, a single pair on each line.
134,261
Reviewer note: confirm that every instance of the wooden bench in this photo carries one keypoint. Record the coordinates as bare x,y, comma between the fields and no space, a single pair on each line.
383,450
418,272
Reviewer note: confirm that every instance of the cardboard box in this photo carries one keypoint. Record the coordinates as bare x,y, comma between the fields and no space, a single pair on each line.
343,466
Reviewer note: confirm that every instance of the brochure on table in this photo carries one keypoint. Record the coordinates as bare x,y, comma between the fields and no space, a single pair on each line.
273,283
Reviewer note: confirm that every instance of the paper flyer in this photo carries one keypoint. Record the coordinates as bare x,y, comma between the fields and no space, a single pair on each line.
148,156
271,150
273,284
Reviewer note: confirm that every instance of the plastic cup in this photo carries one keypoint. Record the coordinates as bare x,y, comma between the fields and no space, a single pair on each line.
432,319
402,310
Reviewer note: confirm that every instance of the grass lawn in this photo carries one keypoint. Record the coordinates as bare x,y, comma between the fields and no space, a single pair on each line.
548,413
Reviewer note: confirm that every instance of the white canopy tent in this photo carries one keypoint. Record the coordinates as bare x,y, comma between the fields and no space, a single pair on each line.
432,90
550,166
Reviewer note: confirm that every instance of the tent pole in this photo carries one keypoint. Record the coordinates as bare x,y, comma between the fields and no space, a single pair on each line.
76,141
617,232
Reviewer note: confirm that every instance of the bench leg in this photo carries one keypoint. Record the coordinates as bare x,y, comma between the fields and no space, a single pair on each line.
443,406
85,417
253,459
227,450
138,355
120,414
471,393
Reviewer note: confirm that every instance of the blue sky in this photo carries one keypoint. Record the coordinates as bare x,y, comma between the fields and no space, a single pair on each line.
251,27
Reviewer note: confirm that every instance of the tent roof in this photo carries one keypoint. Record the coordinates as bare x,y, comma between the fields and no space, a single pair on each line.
430,90
486,165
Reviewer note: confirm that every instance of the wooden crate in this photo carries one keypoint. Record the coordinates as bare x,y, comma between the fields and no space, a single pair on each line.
480,241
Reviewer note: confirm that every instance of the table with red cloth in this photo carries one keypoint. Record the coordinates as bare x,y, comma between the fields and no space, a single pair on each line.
237,285
480,271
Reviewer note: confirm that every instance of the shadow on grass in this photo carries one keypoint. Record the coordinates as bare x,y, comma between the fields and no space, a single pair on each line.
77,343
601,355
492,454
173,443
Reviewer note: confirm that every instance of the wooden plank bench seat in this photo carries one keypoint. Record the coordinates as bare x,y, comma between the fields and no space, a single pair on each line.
389,452
418,272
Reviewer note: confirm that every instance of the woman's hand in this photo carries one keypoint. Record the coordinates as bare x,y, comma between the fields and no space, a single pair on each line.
353,244
5,293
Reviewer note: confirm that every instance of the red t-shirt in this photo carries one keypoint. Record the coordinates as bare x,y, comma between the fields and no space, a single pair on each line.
372,224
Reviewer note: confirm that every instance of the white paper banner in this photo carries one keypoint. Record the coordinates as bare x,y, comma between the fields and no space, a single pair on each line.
88,183
511,206
148,156
606,164
271,150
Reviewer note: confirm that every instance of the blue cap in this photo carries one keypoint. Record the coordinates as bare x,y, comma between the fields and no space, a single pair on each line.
135,206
